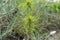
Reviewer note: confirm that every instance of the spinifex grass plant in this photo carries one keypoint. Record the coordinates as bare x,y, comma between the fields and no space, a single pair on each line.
30,20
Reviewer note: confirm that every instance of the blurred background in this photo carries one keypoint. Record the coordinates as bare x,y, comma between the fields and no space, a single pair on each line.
29,19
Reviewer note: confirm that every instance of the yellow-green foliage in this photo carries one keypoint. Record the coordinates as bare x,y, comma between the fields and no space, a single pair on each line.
29,22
